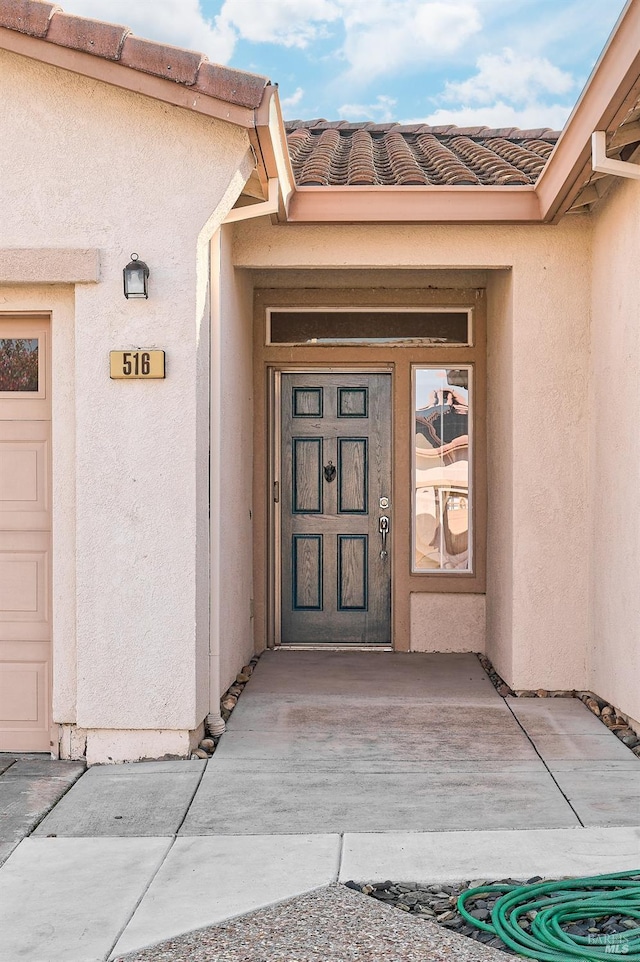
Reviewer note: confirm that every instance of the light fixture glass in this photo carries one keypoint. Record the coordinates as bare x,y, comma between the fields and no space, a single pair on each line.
135,276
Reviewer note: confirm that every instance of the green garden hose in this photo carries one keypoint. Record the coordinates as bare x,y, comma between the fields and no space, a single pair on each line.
556,904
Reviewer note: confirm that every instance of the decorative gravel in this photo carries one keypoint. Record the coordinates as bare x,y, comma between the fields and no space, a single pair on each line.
438,903
332,924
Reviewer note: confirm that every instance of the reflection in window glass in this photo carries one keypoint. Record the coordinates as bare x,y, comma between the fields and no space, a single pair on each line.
374,327
441,506
18,364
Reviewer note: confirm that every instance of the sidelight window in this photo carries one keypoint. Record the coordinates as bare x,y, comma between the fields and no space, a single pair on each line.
442,495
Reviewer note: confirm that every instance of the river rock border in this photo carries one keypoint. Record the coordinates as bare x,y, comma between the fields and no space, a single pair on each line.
228,702
615,720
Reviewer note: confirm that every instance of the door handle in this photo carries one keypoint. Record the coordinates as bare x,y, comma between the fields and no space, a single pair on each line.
383,528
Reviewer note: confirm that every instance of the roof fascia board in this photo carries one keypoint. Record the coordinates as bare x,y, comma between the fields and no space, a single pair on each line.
118,75
610,92
272,139
269,142
463,204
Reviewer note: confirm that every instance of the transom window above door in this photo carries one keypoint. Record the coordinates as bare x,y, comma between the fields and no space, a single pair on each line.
369,326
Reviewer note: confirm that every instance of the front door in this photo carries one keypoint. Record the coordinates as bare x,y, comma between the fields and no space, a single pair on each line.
336,496
25,535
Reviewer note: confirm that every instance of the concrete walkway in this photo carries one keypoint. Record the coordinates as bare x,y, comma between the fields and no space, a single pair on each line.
336,765
30,785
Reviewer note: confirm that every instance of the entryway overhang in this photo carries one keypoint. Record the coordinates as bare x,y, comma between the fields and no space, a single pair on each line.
460,204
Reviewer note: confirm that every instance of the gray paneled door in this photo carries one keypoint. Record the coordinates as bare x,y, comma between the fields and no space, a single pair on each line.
336,477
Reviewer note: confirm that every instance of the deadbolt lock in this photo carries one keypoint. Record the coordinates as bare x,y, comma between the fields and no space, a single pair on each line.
384,502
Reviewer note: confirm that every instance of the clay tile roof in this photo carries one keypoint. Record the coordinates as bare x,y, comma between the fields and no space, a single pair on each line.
345,154
47,21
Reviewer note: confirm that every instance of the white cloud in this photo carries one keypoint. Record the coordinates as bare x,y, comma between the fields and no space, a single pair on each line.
519,79
380,36
292,23
288,102
382,111
507,90
387,36
501,114
178,22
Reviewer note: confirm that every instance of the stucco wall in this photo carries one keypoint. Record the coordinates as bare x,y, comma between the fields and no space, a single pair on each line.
95,166
232,466
445,622
614,657
539,474
550,468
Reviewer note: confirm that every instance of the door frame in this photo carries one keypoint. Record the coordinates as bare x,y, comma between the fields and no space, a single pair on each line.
274,537
400,360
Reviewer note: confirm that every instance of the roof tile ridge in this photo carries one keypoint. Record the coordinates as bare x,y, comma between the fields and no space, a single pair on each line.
96,37
440,130
116,42
470,132
28,16
161,59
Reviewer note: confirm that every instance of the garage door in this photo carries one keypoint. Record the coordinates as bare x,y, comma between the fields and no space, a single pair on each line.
25,535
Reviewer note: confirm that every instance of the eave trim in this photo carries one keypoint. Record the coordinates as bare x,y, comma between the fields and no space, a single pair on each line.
464,204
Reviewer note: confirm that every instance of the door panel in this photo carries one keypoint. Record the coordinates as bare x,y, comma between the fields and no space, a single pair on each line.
352,474
25,536
335,467
307,472
24,473
307,572
353,567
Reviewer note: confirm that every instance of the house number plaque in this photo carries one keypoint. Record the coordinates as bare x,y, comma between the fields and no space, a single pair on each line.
136,364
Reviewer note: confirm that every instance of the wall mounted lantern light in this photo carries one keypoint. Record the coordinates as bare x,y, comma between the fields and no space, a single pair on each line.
135,275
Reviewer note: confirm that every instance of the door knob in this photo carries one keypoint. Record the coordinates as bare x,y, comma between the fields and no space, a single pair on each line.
383,528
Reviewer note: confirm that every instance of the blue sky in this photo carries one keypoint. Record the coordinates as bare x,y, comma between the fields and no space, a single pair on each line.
496,62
